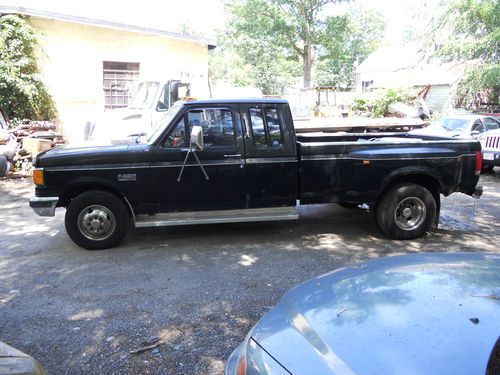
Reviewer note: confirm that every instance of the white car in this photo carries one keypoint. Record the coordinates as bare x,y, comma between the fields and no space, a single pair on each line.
462,126
490,145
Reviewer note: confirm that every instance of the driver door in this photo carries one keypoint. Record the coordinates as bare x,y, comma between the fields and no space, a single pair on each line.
222,159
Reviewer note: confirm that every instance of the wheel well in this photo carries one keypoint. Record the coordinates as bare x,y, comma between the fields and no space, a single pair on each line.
73,192
429,182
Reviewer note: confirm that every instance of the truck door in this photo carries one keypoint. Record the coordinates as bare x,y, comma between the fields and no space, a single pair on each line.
221,159
271,164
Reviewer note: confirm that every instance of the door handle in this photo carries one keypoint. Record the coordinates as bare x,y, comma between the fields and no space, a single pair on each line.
233,156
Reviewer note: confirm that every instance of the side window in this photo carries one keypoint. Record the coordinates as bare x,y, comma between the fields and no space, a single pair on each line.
217,124
177,137
266,127
258,130
274,127
490,123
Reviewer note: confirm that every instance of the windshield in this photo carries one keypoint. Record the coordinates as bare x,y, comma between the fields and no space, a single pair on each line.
452,124
145,95
164,121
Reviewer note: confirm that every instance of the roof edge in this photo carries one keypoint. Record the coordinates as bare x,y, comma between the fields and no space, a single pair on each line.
106,24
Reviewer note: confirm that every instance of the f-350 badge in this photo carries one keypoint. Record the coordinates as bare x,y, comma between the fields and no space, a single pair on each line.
127,177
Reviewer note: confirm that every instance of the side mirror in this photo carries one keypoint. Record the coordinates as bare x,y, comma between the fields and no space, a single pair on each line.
196,140
475,133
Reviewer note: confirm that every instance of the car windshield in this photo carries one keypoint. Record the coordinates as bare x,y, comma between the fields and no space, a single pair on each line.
452,124
145,95
165,120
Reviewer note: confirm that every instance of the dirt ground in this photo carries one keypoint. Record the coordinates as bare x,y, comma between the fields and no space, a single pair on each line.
197,289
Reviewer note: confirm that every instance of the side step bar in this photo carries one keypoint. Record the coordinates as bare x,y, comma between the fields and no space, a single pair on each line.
216,217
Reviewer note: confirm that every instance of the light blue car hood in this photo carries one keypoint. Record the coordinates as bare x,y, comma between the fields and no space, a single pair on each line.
416,314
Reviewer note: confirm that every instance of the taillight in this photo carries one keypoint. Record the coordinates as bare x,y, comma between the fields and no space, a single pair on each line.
479,162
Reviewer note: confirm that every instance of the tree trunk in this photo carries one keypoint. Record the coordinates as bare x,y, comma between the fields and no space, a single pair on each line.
308,62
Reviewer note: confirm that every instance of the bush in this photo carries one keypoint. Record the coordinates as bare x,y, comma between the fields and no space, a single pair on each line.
385,98
23,94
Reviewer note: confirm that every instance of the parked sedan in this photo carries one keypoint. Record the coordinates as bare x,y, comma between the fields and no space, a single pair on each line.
463,126
414,314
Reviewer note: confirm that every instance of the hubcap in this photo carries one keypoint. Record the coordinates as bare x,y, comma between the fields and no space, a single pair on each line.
410,213
96,222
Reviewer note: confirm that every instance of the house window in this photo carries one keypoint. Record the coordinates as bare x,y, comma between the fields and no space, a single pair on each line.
118,80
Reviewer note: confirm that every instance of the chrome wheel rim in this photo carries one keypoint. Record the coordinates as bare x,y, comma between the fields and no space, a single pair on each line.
410,213
96,222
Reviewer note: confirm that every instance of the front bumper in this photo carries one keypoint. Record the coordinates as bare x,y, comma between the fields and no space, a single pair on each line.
44,206
491,158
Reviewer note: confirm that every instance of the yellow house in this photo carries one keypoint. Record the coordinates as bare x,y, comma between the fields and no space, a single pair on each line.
91,65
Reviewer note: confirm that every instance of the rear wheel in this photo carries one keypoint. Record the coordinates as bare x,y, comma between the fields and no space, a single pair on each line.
406,211
97,220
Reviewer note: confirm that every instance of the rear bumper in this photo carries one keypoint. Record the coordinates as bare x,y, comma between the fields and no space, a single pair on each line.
44,206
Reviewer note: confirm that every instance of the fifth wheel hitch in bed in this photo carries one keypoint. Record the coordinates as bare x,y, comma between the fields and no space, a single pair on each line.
220,161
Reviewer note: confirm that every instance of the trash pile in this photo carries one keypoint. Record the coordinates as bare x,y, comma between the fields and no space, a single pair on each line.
29,139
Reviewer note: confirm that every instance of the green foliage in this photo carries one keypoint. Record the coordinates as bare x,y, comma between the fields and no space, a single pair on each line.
471,32
384,98
22,92
282,39
277,34
351,38
376,104
244,61
360,105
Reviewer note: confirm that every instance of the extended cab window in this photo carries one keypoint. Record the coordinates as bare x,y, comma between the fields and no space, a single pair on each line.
266,127
217,124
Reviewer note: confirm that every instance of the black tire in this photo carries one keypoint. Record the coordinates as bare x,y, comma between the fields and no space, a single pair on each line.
97,220
406,211
4,166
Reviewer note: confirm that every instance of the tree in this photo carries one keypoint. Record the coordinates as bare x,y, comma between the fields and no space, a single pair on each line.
291,28
471,32
351,38
22,92
245,61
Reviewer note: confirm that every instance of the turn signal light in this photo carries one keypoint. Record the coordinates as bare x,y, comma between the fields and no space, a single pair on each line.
38,177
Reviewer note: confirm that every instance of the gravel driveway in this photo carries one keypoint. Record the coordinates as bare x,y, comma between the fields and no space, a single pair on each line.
196,290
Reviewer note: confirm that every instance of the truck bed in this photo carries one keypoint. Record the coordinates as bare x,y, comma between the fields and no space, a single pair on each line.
356,167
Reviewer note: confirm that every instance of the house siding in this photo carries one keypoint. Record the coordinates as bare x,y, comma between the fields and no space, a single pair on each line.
71,63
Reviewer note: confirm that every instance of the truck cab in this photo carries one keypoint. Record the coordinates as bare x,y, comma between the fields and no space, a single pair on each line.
147,107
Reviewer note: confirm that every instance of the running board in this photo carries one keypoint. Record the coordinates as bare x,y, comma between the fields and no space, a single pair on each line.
216,217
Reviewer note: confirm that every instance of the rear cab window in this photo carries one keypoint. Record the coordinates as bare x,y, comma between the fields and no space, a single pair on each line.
266,127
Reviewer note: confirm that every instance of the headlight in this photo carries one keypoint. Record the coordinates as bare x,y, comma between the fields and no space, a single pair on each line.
254,360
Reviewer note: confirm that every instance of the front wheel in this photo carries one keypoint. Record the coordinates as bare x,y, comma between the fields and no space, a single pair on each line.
406,211
97,220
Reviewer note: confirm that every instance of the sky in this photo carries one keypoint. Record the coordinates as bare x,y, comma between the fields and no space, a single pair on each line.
204,16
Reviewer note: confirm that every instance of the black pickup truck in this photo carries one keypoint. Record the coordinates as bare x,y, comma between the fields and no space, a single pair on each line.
219,161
